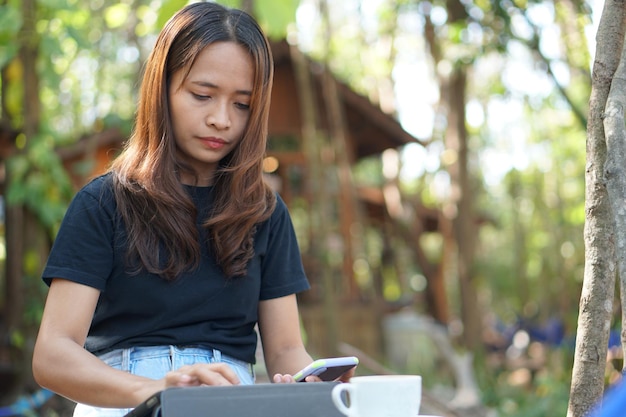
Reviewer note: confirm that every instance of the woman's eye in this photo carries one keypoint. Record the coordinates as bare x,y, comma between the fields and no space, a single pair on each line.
200,96
242,106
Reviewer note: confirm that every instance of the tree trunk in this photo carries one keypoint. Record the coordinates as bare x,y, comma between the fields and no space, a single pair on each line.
597,293
520,251
319,201
15,238
615,172
461,206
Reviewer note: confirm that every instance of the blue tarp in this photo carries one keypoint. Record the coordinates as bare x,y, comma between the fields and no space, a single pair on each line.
26,403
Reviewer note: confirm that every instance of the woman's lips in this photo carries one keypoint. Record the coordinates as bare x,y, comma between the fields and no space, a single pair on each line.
213,143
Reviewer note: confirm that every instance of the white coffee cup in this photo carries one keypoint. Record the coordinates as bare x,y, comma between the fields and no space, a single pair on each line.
380,396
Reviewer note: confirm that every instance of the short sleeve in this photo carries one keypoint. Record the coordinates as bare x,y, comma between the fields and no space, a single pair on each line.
282,270
83,248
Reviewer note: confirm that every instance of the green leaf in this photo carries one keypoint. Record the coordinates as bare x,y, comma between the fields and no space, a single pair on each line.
275,16
231,3
455,31
116,15
17,339
79,37
10,22
167,10
8,51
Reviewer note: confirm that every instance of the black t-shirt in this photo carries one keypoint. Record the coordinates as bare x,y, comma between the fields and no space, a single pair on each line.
201,307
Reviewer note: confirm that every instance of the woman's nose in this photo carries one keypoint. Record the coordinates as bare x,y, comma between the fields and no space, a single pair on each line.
219,116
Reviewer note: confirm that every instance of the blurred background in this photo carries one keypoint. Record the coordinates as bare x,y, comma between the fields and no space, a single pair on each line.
431,153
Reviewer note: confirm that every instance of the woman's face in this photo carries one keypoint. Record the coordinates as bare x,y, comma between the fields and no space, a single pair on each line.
210,107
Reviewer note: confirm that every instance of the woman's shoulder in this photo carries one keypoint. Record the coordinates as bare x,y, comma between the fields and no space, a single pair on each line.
99,188
281,215
280,207
98,184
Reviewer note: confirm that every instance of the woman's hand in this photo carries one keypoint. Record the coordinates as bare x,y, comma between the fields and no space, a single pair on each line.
287,379
346,377
201,374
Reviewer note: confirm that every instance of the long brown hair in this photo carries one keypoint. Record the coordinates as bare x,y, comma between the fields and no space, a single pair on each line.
159,215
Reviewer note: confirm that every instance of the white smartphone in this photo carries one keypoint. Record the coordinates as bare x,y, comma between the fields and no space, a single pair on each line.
328,369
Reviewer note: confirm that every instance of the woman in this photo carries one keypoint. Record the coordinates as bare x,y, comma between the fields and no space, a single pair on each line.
164,265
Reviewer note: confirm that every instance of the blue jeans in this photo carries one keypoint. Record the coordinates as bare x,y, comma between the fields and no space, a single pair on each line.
154,362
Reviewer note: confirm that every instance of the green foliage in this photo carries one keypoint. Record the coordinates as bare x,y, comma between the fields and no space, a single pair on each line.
10,24
17,339
368,172
13,91
547,396
167,10
275,16
116,15
39,181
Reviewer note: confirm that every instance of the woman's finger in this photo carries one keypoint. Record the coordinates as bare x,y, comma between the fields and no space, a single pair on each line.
215,374
202,374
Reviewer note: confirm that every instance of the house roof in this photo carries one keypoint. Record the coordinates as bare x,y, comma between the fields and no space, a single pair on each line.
370,130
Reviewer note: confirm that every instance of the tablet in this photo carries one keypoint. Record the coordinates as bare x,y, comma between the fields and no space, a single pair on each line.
259,400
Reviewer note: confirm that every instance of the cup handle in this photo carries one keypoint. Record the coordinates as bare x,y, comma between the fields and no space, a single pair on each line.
338,401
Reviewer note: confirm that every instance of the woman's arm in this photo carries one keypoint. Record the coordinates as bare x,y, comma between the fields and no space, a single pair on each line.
283,349
61,364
